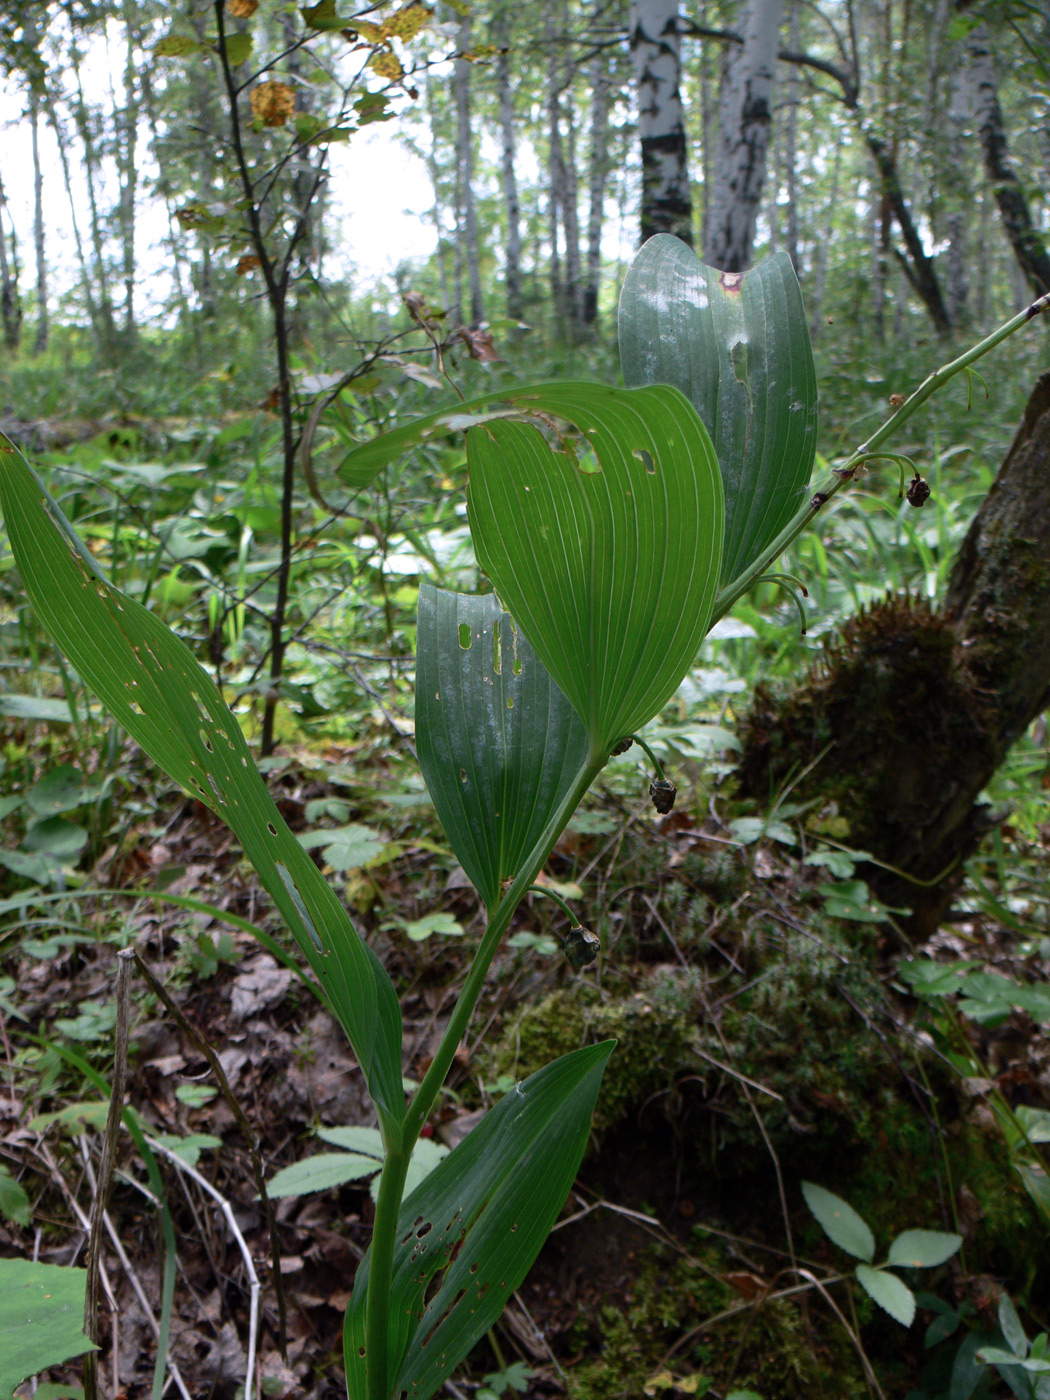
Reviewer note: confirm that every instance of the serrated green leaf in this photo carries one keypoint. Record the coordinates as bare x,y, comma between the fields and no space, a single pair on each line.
923,1249
157,691
41,1319
737,345
190,1147
368,1141
607,552
444,923
840,1222
891,1294
347,847
493,796
480,1217
320,1173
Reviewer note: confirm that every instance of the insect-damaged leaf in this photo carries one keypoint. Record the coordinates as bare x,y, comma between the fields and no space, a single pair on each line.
154,687
498,743
481,1217
737,345
607,550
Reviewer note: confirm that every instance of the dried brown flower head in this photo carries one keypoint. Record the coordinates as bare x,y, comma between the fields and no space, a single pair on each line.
272,103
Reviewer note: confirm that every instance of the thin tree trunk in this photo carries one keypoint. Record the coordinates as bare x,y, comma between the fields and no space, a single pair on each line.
821,254
571,219
434,170
78,241
465,162
918,265
82,120
42,320
597,177
556,173
667,205
1025,239
10,303
791,144
745,116
508,175
128,187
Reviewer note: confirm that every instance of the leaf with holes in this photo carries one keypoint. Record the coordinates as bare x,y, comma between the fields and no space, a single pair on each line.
737,345
607,550
478,1221
154,687
498,743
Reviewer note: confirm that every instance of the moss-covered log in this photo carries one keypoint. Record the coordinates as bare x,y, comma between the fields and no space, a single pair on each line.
910,711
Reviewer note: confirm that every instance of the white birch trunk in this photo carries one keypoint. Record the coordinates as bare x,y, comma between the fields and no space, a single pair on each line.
745,116
667,205
508,175
465,162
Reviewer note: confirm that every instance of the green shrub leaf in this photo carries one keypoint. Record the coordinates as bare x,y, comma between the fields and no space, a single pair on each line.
840,1222
923,1249
889,1292
737,345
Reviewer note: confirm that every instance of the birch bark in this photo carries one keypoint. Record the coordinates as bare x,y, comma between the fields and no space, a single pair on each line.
745,117
508,174
667,205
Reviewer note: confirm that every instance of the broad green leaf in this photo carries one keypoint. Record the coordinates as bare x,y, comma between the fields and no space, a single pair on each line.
14,1203
889,1292
347,847
605,551
480,1217
41,1319
840,1222
737,345
238,47
967,1371
366,1140
155,688
61,789
923,1249
56,837
498,743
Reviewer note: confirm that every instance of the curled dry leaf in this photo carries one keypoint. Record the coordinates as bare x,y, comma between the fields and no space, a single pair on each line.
241,9
247,264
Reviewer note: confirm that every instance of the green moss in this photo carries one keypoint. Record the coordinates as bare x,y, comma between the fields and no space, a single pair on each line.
653,1030
773,1348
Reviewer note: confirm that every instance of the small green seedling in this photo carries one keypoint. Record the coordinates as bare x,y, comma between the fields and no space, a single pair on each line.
913,1249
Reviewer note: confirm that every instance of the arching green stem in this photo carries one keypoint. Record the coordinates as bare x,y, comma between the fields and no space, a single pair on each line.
550,894
652,757
788,582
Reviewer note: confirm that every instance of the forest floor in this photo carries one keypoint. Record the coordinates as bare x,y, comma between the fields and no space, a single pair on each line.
674,1261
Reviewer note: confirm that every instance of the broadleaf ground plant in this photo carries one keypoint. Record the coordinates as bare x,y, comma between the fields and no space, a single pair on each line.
615,525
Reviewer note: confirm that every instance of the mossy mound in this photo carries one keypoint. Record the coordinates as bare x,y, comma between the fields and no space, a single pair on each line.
653,1028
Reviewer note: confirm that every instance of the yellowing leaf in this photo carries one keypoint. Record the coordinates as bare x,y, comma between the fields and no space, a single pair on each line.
386,64
408,21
